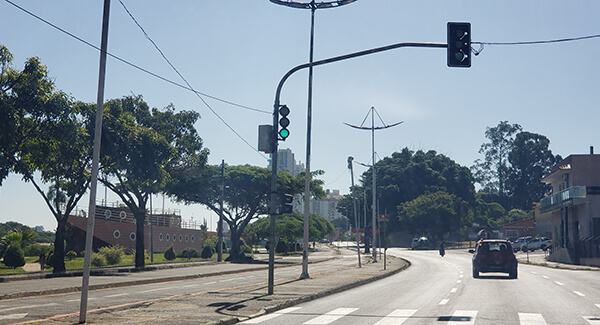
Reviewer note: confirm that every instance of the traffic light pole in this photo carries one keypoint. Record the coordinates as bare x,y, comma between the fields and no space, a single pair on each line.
275,134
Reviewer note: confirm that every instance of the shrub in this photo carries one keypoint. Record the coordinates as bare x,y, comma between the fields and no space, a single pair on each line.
71,255
170,254
14,257
189,253
36,250
281,247
207,252
98,260
112,254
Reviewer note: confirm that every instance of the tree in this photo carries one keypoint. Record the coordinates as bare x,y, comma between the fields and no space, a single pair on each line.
491,173
530,159
406,175
247,193
140,148
47,132
437,215
14,256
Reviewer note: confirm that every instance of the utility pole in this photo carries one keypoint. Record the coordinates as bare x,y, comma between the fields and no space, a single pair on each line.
89,237
220,226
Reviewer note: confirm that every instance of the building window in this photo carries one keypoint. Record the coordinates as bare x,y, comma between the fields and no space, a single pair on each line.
160,237
180,237
132,236
116,234
187,238
168,237
193,238
510,234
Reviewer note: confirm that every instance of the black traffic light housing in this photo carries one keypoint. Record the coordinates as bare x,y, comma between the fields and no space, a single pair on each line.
284,122
459,45
286,204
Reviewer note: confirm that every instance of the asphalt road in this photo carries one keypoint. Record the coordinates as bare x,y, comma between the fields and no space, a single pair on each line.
437,290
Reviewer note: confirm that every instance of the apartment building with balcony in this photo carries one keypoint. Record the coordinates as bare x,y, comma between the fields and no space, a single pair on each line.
573,209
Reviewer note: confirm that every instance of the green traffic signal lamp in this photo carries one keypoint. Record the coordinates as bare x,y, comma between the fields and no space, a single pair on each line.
284,122
459,45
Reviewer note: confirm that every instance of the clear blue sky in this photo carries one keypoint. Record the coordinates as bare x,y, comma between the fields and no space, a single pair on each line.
238,50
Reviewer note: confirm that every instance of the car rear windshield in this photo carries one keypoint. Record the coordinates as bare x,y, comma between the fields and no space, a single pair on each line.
493,247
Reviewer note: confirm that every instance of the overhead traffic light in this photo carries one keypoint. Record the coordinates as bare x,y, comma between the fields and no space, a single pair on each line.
459,45
286,205
284,122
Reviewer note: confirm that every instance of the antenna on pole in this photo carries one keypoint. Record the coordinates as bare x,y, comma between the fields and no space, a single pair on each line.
372,111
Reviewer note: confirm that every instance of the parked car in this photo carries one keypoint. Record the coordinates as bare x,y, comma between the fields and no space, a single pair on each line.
494,255
532,244
518,242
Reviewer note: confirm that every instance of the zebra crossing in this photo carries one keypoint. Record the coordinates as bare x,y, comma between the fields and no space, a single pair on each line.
398,317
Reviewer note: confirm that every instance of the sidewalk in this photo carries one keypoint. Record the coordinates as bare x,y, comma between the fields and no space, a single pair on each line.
539,258
235,304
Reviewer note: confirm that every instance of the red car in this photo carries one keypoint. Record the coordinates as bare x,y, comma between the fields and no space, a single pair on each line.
494,255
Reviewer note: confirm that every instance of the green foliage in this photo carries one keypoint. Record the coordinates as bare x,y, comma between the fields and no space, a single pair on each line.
71,255
98,260
436,215
170,254
14,257
207,252
189,253
112,254
36,249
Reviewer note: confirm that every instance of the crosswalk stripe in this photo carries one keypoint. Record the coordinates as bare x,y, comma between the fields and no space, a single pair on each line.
264,318
531,319
396,317
592,320
463,317
330,316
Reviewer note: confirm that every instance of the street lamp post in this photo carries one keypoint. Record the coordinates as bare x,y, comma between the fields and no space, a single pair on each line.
350,159
374,180
313,6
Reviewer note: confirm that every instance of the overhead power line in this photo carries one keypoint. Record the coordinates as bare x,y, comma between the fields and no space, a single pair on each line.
560,40
132,64
186,82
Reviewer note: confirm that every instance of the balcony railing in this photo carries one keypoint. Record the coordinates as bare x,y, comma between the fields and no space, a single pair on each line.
562,199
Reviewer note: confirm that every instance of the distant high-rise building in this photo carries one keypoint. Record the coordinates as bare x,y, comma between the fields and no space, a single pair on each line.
286,161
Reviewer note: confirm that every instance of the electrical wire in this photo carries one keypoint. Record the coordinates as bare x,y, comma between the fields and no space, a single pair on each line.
560,40
186,82
132,64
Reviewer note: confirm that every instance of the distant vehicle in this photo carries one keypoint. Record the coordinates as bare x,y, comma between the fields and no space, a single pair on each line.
536,243
518,242
494,255
420,243
324,241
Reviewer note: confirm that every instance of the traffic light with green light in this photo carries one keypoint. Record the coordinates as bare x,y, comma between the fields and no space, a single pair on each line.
459,45
284,122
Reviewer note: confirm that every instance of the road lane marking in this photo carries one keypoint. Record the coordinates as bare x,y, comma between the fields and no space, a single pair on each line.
331,316
453,290
593,320
531,319
598,305
213,282
396,317
118,295
459,281
13,316
533,272
30,306
227,280
152,290
462,317
191,285
579,293
444,301
545,277
559,283
265,318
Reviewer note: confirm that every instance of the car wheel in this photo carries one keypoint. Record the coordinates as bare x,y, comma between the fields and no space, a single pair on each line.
524,249
475,273
544,248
